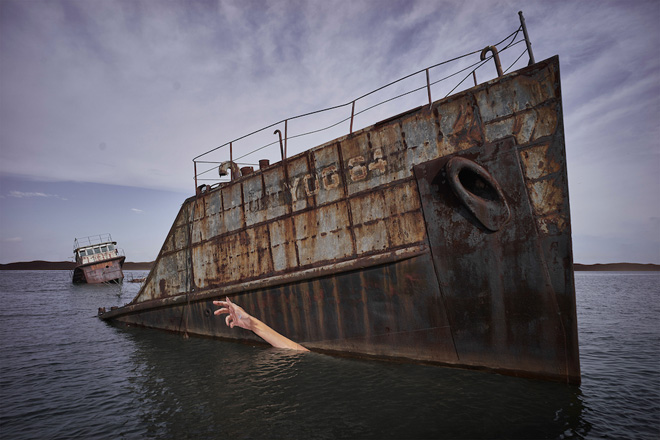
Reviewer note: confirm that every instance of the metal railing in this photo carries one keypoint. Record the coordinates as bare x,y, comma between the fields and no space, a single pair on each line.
91,240
224,166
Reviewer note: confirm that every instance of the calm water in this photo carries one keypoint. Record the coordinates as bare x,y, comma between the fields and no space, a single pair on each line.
66,374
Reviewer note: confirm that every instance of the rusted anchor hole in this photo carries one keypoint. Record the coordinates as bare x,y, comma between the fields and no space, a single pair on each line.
477,185
207,312
478,191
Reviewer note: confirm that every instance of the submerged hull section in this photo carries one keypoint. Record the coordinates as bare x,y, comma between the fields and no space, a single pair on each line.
441,235
107,271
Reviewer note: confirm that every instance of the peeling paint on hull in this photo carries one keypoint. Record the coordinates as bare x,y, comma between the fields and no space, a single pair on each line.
106,271
441,235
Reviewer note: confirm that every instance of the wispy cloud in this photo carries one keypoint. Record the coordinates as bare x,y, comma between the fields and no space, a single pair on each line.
13,240
139,211
23,195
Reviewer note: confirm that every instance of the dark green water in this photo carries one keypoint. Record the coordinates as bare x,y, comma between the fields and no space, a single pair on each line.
66,374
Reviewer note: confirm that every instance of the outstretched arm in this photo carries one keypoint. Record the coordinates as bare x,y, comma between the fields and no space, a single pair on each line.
236,316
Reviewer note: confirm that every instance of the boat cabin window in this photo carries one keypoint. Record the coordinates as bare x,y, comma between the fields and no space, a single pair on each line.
111,247
82,252
104,249
97,250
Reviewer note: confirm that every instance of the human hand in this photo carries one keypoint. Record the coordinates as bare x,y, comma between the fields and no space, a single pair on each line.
236,316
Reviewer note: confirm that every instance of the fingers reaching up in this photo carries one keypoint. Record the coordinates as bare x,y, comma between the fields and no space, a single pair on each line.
236,316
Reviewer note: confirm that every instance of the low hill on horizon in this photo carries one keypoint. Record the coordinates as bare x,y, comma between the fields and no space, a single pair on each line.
65,265
617,267
147,265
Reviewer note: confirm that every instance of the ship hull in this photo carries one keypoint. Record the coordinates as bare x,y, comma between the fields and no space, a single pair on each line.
390,311
106,271
441,235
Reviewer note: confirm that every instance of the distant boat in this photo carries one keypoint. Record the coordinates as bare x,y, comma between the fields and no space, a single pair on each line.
98,260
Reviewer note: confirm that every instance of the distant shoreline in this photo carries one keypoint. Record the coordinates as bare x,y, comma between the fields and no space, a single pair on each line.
65,265
68,265
617,267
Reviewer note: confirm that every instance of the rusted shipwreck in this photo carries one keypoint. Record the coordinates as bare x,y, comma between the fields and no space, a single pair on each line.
441,235
98,260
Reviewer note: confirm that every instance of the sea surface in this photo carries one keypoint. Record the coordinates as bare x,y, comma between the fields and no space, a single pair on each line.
65,374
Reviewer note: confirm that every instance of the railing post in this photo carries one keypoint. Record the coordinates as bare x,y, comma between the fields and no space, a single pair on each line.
529,43
285,136
231,162
352,114
195,163
428,86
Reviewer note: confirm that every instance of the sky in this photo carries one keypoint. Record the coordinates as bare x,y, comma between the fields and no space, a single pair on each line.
104,103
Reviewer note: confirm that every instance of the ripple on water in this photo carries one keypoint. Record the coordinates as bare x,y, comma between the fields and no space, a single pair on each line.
66,374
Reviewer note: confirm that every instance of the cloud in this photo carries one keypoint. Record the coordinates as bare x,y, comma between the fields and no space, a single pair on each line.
13,240
158,83
20,194
23,195
139,211
128,92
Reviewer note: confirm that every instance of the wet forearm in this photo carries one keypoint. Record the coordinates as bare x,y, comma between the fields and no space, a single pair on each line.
272,337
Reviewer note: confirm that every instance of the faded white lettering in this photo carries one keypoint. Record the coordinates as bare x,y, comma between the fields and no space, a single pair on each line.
356,168
292,189
330,177
308,190
379,163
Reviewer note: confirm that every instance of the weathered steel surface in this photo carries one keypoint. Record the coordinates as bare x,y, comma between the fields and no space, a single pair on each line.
106,271
364,246
501,306
98,260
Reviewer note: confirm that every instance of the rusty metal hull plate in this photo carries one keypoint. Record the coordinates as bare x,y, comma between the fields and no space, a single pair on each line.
392,310
499,297
107,271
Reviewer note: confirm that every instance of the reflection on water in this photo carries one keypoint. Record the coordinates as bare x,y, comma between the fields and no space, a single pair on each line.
66,374
206,388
